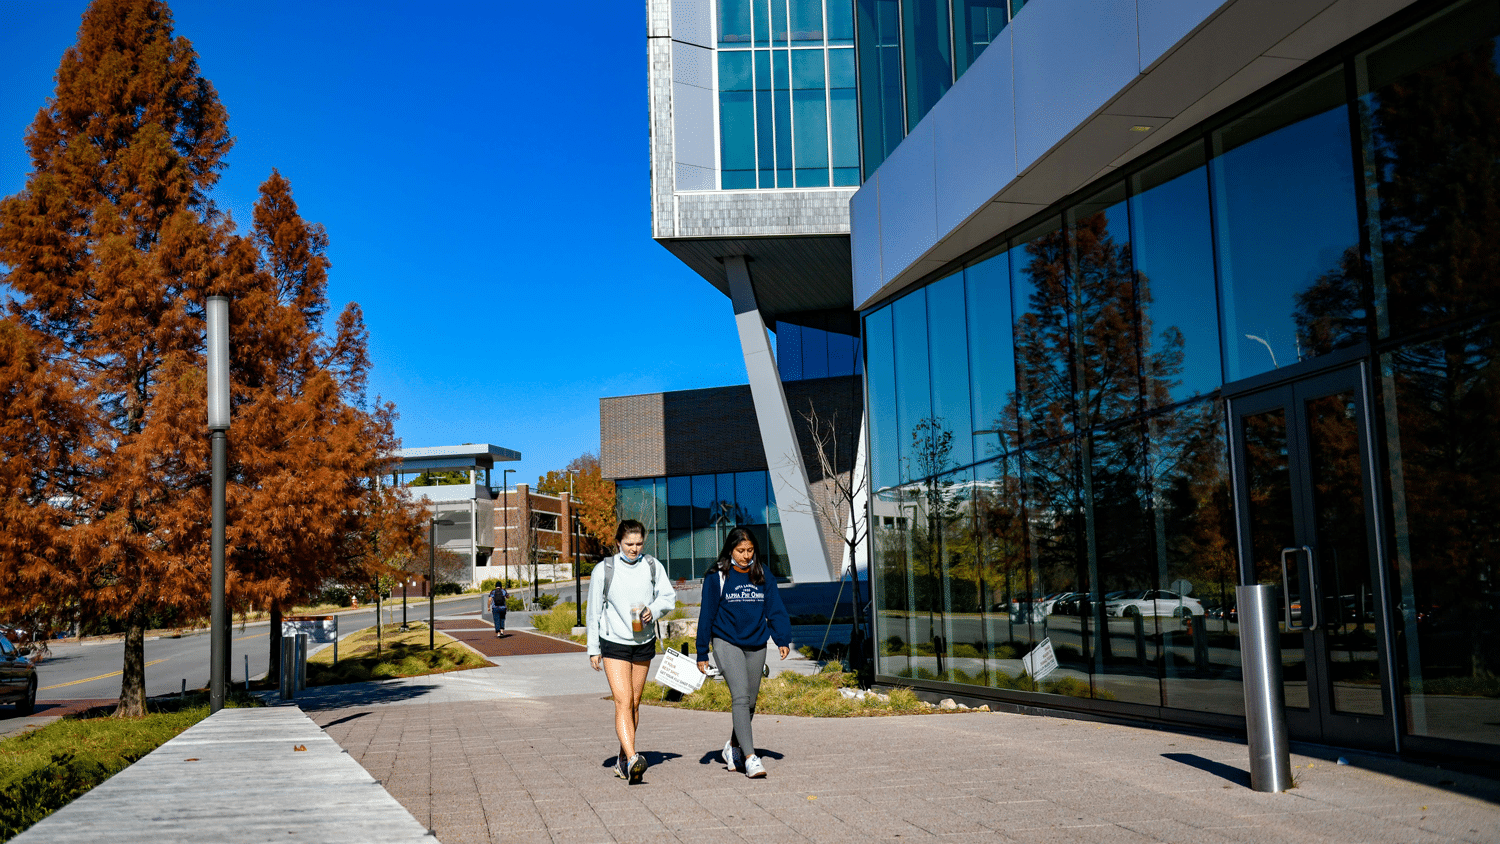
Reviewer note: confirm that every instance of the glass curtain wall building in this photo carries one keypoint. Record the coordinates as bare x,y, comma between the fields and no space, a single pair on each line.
910,53
1264,353
786,94
687,518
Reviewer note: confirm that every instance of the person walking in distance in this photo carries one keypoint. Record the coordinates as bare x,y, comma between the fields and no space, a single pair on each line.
497,599
628,591
741,610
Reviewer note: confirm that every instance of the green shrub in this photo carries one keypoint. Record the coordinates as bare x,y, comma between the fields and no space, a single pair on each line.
448,589
546,601
559,620
489,584
514,603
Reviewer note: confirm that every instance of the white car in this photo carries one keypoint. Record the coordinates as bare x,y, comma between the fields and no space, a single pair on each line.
1152,602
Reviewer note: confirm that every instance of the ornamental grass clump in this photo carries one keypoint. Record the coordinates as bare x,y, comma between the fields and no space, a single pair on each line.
790,693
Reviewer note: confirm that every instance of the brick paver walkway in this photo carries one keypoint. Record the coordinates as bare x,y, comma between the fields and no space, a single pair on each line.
514,643
536,770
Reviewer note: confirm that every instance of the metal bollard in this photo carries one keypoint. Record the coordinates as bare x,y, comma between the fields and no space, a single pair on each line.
1265,701
288,653
301,661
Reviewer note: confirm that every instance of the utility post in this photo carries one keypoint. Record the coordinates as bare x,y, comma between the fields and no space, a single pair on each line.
218,424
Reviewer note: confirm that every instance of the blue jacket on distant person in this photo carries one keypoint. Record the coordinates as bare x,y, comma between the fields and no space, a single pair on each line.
745,614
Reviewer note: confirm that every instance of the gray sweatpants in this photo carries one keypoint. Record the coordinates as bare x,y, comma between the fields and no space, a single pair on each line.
742,668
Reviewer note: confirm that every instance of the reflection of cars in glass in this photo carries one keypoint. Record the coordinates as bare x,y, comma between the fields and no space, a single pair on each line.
1151,602
17,678
1070,603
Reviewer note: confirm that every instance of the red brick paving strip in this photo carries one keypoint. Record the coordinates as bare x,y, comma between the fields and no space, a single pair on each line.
515,642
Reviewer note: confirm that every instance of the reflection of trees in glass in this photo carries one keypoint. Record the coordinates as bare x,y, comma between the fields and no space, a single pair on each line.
1448,504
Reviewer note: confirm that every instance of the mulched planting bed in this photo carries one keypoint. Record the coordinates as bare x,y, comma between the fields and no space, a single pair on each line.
515,643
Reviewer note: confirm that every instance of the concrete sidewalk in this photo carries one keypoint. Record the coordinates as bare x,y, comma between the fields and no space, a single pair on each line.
242,775
521,753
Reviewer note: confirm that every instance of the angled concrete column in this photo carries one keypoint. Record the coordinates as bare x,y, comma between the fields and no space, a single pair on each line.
799,524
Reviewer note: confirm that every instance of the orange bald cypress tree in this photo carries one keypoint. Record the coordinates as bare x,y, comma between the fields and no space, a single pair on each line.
110,249
305,452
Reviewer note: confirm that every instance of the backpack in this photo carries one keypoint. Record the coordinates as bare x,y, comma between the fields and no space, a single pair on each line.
609,576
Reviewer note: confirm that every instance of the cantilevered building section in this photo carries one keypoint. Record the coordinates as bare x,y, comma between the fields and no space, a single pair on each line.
754,157
1161,297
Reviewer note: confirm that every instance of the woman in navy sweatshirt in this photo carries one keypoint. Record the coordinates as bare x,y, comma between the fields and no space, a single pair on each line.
741,610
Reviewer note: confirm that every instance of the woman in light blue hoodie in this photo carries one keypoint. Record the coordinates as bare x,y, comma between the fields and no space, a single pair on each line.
627,592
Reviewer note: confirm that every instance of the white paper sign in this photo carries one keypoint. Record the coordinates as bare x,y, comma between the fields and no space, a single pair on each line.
320,629
1041,661
679,672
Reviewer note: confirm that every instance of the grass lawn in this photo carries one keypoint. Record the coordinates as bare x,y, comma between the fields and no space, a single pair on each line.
402,655
790,693
43,770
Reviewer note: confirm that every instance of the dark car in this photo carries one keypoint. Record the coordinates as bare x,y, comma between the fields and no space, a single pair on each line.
17,678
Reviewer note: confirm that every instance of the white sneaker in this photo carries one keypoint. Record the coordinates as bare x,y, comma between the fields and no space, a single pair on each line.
733,757
753,768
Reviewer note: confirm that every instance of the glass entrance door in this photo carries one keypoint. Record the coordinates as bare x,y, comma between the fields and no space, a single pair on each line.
1306,508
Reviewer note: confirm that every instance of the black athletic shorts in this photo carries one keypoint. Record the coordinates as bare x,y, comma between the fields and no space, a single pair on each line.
629,653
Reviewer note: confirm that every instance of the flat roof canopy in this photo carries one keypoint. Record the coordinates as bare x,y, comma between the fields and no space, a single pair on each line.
444,457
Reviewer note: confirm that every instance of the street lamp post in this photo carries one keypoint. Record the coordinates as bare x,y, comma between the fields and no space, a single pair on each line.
577,574
505,514
404,626
432,579
218,423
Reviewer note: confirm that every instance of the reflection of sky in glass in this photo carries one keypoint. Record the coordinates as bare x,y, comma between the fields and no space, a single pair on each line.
950,364
913,388
880,384
1173,249
1286,209
992,362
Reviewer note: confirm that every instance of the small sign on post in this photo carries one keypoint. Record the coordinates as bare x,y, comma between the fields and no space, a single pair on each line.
679,672
1041,661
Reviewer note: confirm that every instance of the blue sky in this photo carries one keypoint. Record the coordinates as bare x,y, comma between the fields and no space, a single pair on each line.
482,170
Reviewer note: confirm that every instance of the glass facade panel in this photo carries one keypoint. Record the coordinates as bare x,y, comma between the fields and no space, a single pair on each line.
750,496
765,122
880,97
840,23
1043,308
1054,514
781,99
1441,400
734,23
880,393
975,24
779,30
1121,561
1101,309
1286,226
927,55
810,118
1172,244
992,361
1431,116
949,356
843,118
806,21
1192,518
920,438
700,509
736,120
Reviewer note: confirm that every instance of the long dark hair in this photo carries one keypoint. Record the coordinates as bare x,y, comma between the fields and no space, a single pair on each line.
726,555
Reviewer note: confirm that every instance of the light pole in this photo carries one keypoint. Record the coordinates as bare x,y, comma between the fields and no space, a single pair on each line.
505,514
218,424
404,626
432,579
577,574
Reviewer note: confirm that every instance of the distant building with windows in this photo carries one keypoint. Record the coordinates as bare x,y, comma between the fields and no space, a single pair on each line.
754,158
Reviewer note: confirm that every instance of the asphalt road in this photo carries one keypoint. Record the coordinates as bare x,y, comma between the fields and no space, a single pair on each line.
91,670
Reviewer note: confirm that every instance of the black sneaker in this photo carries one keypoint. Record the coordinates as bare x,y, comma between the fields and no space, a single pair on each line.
637,768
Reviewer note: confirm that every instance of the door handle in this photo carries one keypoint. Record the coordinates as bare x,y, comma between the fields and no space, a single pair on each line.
1309,600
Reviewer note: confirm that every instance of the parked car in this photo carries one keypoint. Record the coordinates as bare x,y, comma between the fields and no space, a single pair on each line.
17,678
1152,602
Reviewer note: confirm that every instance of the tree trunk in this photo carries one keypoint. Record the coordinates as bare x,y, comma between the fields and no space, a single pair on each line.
274,672
133,676
379,632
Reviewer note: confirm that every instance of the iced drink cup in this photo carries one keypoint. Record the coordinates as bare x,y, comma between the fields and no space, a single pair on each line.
635,617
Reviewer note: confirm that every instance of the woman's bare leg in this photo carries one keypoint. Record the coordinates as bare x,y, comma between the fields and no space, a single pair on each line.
627,696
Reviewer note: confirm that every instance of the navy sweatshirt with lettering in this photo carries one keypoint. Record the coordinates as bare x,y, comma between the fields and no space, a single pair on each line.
747,615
